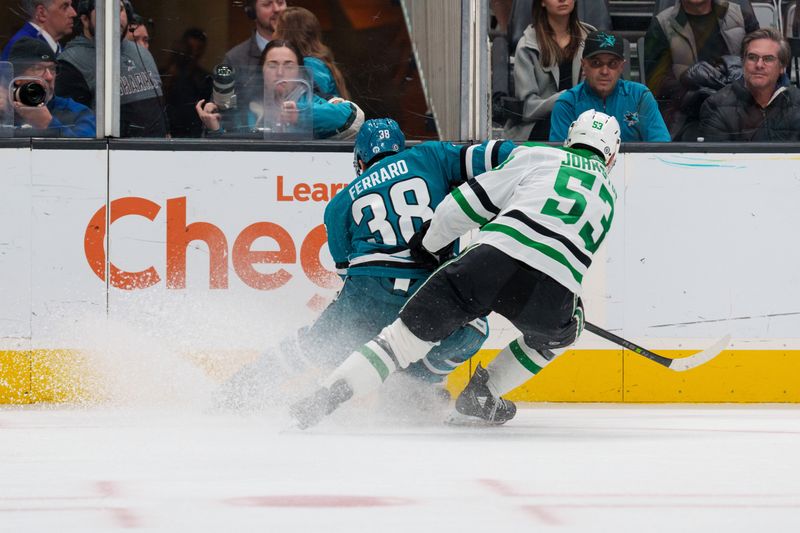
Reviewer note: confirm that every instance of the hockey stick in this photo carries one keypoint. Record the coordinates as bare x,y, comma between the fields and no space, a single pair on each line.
679,365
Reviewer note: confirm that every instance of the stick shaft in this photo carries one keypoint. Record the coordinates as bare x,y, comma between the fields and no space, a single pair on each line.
644,352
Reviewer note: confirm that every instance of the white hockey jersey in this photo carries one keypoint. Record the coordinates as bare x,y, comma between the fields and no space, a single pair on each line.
548,207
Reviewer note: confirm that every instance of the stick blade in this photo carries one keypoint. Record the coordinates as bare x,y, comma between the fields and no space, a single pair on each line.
700,358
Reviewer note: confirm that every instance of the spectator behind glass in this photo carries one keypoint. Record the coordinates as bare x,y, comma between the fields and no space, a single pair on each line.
141,110
796,23
138,32
244,58
48,21
764,106
186,82
336,118
55,116
631,103
684,50
546,63
301,26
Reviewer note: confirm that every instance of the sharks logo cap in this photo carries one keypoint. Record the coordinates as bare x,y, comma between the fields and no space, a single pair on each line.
602,42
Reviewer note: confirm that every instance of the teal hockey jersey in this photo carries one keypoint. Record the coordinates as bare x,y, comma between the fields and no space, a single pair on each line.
370,222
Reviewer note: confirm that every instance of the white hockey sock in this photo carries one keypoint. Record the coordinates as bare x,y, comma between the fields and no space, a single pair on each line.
368,367
514,365
358,371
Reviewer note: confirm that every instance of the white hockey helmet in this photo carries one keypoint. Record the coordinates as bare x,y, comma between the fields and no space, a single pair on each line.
598,131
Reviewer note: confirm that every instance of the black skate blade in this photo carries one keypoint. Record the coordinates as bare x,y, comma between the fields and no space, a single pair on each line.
457,419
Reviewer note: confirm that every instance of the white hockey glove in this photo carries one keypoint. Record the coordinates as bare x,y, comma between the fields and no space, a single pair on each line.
350,130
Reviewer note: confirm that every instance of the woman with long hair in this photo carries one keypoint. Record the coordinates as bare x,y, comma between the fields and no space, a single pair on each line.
301,26
547,62
280,62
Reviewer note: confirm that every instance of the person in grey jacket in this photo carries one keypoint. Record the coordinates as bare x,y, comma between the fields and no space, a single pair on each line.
141,109
763,106
547,62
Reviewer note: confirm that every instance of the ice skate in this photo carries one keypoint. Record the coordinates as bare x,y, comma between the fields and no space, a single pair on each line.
309,411
476,405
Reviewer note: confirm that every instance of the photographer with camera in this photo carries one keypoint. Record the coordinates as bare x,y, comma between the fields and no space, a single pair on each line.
37,112
293,108
244,62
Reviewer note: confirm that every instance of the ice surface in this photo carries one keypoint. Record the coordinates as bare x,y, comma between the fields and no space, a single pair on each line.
555,467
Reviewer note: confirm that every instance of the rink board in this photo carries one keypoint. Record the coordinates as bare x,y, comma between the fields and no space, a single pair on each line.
736,376
215,252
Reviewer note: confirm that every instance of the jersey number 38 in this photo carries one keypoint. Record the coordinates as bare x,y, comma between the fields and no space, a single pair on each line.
408,199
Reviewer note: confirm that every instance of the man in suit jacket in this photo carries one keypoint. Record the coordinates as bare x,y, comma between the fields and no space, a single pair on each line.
48,21
245,56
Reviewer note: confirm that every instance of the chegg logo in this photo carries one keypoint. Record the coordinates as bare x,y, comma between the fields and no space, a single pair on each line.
180,234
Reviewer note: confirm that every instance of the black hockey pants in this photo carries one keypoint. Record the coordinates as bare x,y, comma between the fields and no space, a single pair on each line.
484,279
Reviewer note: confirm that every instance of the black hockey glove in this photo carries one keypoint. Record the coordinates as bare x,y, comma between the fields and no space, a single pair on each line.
703,74
423,256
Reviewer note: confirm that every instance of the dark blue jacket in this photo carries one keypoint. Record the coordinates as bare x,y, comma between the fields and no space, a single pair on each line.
26,31
70,119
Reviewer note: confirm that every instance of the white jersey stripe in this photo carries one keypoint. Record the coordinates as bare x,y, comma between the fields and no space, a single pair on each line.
475,203
468,162
369,258
487,155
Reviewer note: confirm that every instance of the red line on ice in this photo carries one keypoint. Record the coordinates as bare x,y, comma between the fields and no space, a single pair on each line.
317,500
124,517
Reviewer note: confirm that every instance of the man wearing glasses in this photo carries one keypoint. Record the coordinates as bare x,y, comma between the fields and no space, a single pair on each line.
629,102
37,111
685,51
763,106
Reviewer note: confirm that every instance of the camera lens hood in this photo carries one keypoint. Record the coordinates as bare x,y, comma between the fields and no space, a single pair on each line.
29,91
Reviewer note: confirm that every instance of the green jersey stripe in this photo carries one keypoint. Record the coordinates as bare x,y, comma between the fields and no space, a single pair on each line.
530,243
375,360
523,358
464,204
482,197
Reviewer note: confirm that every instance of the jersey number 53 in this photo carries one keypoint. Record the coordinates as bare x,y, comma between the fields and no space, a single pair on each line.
601,221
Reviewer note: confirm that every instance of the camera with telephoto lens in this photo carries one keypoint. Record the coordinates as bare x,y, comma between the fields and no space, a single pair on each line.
31,93
224,87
